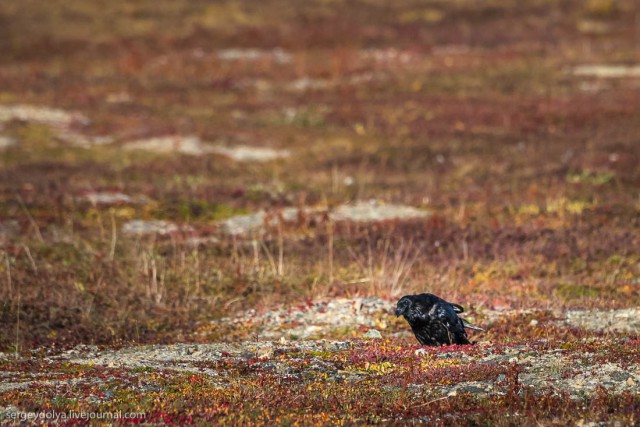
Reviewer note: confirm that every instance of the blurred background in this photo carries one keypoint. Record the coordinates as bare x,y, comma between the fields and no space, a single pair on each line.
167,163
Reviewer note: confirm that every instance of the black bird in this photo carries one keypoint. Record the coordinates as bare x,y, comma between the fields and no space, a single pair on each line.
433,320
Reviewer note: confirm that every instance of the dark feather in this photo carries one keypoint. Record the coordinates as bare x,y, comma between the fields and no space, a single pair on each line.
457,308
433,320
470,326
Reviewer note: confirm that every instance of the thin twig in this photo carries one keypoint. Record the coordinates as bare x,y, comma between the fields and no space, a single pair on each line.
114,236
432,401
33,222
269,257
280,248
330,248
31,260
8,265
18,328
256,254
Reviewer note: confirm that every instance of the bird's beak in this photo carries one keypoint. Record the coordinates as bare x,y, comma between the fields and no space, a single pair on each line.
399,312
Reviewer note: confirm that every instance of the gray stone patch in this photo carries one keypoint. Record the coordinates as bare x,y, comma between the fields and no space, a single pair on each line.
540,371
10,386
81,140
6,142
490,316
375,211
190,358
580,381
278,55
166,356
191,145
44,115
141,227
480,389
243,224
60,121
372,334
625,320
371,211
607,71
245,153
113,198
318,318
304,84
553,369
259,221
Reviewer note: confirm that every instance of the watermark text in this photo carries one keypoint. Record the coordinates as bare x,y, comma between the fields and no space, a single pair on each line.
55,416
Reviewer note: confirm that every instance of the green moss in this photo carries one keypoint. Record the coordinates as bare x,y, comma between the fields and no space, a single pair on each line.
196,210
572,291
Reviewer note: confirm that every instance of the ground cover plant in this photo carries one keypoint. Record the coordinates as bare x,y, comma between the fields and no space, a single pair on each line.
248,187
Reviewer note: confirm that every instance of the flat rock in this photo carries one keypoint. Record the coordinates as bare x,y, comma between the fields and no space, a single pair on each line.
81,140
6,142
60,121
607,71
243,224
546,370
371,211
278,55
372,334
304,84
37,114
259,221
166,356
142,227
192,145
112,198
319,318
625,320
170,144
375,211
246,153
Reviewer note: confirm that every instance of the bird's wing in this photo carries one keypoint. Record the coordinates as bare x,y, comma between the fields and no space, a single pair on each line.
457,308
433,311
445,314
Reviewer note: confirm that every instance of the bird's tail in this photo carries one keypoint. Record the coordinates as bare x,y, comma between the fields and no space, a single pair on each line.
470,326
